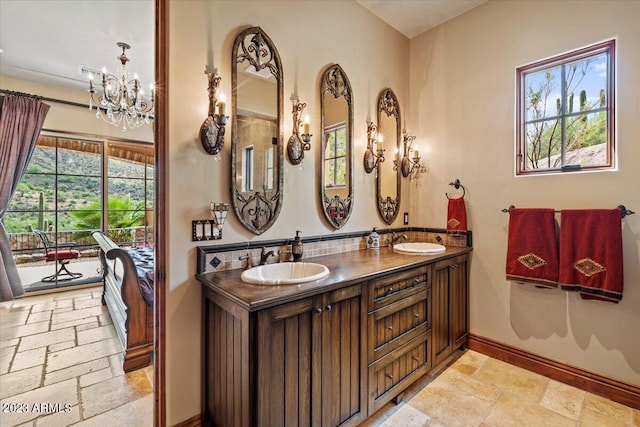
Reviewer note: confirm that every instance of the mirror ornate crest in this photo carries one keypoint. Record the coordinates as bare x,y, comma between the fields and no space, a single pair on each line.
256,132
336,110
388,173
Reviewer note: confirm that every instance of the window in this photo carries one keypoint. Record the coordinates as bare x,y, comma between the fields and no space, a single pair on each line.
565,114
335,156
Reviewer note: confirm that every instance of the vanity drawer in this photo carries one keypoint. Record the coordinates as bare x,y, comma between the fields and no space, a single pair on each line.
389,376
396,324
396,287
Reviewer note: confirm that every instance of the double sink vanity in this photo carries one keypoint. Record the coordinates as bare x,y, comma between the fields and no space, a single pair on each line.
355,331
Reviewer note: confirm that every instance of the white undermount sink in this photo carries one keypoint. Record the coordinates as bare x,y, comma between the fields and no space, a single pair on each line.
284,273
419,248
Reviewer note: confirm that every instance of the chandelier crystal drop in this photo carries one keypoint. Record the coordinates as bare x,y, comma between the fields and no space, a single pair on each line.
121,101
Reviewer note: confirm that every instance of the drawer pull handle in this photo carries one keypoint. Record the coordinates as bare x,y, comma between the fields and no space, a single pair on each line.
416,315
318,310
329,307
454,266
390,376
416,359
390,290
416,281
390,328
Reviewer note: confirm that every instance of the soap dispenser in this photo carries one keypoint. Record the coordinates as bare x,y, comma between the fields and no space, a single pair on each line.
296,247
373,240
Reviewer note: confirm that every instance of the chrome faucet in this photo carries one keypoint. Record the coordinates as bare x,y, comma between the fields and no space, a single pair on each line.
265,255
395,239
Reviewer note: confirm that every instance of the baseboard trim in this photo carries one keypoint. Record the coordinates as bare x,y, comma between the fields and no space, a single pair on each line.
195,421
619,391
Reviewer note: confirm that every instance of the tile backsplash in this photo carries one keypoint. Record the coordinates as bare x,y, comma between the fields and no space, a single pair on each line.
232,259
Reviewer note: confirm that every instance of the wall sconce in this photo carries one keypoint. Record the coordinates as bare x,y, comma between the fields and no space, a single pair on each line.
299,142
410,164
210,229
373,158
213,129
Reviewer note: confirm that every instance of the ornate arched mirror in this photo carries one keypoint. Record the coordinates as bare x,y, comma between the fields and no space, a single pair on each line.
256,132
336,110
388,173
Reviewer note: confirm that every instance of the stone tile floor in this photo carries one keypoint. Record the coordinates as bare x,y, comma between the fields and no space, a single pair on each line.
59,356
477,390
61,365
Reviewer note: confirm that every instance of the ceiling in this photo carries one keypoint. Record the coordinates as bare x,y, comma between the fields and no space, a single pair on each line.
413,17
48,40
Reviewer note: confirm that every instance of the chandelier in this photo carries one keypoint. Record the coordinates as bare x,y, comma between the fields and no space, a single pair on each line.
121,101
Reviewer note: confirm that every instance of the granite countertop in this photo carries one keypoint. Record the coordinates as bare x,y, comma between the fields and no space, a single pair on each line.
344,269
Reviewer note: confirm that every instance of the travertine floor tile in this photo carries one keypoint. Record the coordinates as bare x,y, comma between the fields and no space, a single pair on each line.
406,416
47,338
41,316
59,419
137,413
13,318
96,334
611,413
18,382
61,346
83,353
75,322
437,399
511,379
510,410
76,370
13,342
91,325
76,314
455,380
29,358
563,399
469,362
86,303
95,377
23,330
6,356
60,393
117,391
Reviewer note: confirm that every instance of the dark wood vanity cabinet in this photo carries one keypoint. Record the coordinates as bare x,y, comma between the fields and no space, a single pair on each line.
450,302
399,331
309,361
300,363
333,357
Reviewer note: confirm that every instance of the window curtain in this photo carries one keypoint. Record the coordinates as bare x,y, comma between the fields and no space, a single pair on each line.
21,120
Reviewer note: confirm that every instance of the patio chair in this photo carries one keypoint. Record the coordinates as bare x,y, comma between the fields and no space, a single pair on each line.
63,254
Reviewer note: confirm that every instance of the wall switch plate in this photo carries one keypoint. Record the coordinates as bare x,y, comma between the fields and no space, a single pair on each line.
204,229
406,218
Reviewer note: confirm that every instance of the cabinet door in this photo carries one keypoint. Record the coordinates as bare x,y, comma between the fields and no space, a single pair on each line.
342,365
459,288
450,295
286,345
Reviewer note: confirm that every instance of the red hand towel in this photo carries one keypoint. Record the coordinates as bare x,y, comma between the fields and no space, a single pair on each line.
532,254
591,253
456,215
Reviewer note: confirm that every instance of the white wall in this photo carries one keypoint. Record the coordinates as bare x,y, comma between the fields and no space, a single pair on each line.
462,79
310,36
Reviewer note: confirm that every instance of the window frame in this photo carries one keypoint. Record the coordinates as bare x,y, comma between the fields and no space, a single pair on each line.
608,47
333,159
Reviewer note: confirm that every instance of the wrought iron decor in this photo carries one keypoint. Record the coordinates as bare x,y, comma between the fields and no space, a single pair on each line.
337,199
299,142
256,189
388,114
213,128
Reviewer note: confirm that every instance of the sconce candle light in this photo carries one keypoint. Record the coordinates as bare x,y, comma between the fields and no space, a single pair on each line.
371,157
410,165
299,142
213,128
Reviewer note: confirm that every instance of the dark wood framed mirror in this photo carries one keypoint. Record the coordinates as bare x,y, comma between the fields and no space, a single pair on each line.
256,130
388,172
336,116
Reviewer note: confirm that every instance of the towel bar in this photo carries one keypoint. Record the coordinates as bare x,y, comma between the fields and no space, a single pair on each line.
623,210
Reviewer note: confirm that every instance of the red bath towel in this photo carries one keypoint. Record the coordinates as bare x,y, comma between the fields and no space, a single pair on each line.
591,253
456,216
532,254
